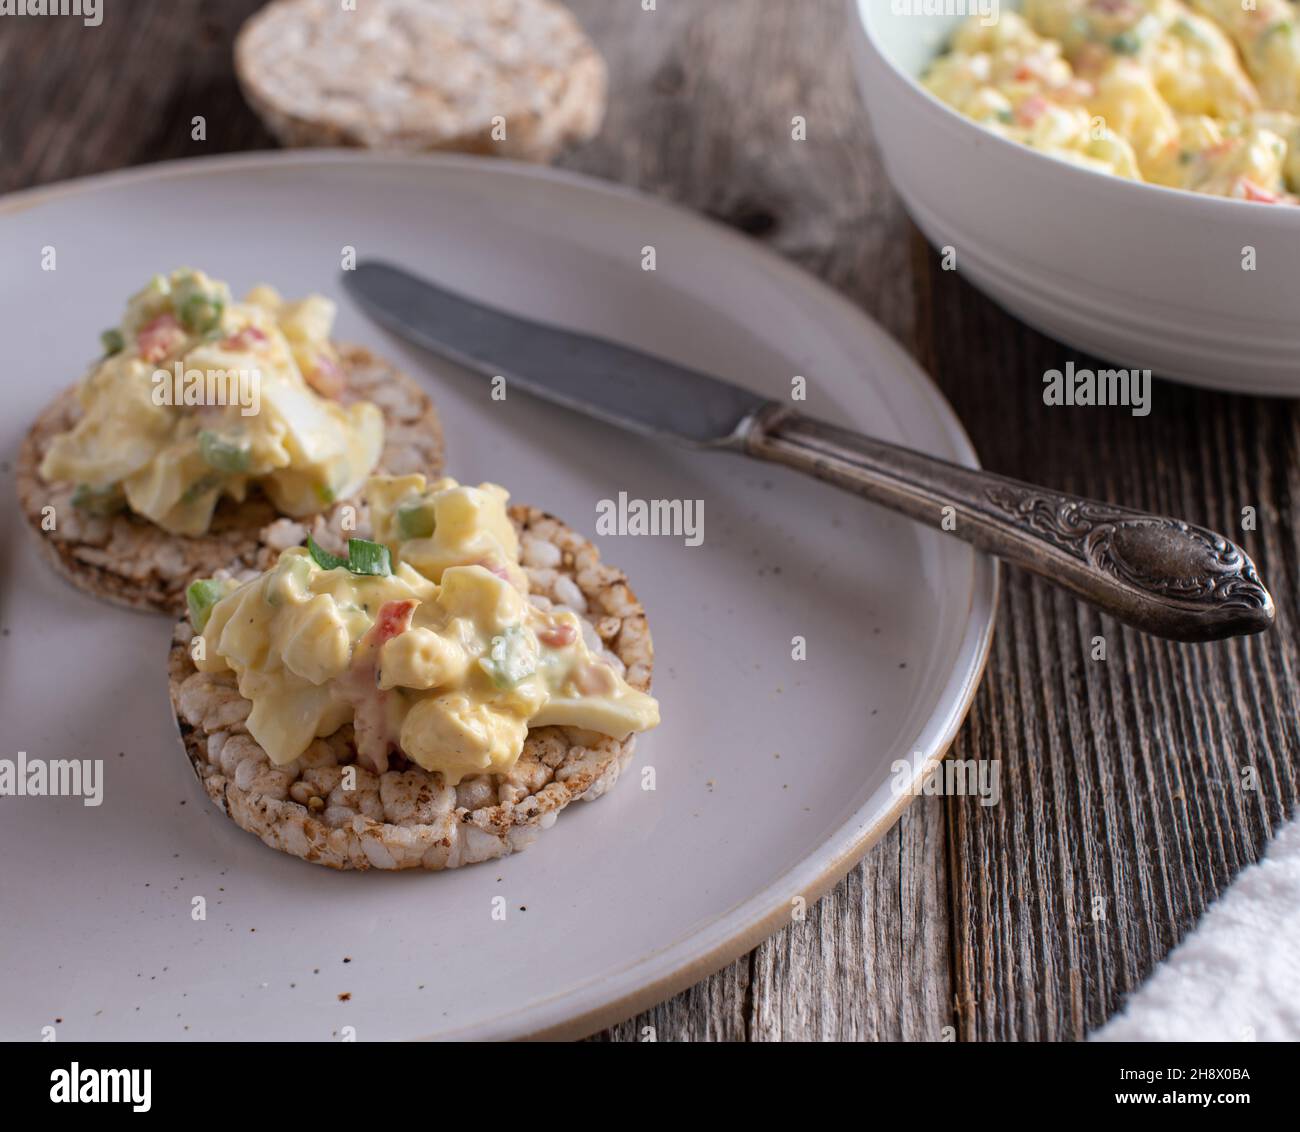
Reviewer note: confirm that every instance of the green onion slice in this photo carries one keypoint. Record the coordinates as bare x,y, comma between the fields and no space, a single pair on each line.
201,313
201,597
222,454
100,502
370,558
415,520
509,659
323,558
1126,43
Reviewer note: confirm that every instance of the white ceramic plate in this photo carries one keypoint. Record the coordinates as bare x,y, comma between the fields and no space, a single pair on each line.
625,900
1144,276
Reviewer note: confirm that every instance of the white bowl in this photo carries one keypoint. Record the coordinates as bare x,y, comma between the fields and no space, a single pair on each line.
1143,276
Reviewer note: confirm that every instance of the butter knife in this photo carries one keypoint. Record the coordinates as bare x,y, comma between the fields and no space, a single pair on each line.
1161,575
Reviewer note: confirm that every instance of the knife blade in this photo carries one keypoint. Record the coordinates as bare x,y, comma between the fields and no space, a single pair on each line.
1162,575
612,382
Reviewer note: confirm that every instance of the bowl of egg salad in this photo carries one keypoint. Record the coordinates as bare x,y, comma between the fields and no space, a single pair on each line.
1123,175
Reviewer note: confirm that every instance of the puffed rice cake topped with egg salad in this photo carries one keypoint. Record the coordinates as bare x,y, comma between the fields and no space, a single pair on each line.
427,690
512,78
1202,95
203,428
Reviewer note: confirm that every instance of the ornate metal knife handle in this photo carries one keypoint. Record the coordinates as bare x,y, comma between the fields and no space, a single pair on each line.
1161,575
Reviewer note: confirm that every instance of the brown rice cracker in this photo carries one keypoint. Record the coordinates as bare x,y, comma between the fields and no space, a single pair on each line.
421,75
133,562
407,818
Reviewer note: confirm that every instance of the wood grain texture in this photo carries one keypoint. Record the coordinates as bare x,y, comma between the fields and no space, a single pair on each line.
1133,788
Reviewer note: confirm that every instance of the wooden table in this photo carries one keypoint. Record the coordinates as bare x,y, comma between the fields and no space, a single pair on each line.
1126,805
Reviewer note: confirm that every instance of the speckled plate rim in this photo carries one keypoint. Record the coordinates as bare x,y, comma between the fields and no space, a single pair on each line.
586,1009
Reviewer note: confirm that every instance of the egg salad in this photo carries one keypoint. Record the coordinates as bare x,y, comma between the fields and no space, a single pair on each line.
423,639
1201,95
199,397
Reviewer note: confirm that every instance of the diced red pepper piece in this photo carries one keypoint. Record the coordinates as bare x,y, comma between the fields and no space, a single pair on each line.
247,339
393,620
159,337
1029,111
1252,191
558,636
369,702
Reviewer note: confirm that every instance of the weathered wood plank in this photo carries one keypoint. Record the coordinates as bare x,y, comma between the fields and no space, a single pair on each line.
1121,777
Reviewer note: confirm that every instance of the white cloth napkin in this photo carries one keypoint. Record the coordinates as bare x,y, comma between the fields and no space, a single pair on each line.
1236,977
